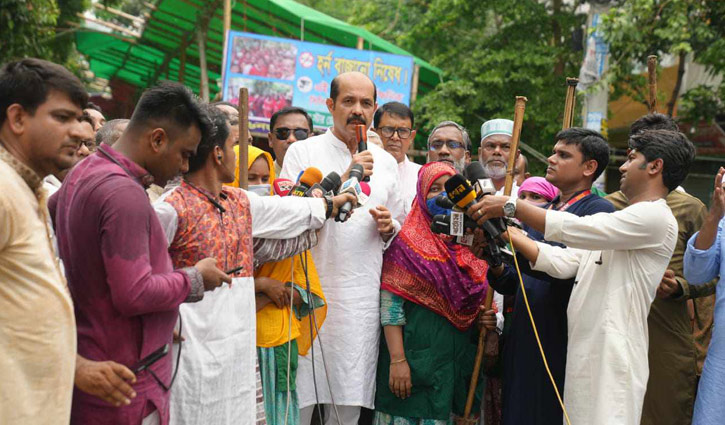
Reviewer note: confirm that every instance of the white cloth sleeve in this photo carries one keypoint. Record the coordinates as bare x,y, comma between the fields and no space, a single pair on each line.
558,262
498,299
275,217
169,219
636,227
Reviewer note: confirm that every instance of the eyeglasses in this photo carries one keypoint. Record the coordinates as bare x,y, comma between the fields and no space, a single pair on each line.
283,133
452,144
491,147
403,132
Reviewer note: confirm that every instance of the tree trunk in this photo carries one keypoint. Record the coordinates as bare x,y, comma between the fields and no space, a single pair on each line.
678,84
556,29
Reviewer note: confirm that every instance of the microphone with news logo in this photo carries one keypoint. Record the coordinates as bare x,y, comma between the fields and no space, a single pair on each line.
329,185
310,176
283,187
352,185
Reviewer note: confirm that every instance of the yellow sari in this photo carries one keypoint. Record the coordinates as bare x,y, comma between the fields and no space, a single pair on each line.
273,323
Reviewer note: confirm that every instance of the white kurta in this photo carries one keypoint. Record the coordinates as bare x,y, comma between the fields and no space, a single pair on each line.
216,382
618,260
408,174
349,259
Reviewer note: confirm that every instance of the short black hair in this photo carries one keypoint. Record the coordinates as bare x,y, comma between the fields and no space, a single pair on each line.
91,105
109,132
287,110
87,118
171,103
653,121
216,137
335,89
397,109
675,149
233,120
591,144
27,82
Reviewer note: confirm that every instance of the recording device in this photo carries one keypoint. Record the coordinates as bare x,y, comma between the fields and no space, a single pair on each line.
152,358
310,176
352,185
463,196
361,134
329,185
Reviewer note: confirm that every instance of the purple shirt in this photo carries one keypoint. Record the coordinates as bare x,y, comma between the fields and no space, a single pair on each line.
125,291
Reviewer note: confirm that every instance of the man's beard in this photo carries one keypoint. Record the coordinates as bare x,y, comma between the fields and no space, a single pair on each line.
459,165
495,172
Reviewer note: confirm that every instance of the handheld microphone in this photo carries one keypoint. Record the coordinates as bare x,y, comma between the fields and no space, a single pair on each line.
282,187
363,196
330,184
460,192
309,178
352,185
361,134
444,202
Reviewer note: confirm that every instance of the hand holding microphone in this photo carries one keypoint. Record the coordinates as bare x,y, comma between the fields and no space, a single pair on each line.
361,134
352,185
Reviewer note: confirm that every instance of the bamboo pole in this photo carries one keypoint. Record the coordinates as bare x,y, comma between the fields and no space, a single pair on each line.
652,78
225,35
569,103
519,108
243,137
204,77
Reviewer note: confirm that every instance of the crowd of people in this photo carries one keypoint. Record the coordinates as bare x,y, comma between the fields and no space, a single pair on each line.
264,58
141,284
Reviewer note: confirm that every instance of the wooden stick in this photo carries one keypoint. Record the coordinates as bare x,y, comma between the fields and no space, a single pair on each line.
652,77
569,104
508,185
243,140
515,137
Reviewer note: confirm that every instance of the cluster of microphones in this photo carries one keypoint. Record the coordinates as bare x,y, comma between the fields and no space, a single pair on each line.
311,184
461,193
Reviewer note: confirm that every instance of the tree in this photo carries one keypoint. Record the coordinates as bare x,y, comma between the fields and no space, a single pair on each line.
25,26
638,28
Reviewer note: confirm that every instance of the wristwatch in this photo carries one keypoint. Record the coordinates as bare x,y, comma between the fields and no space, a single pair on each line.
330,206
509,208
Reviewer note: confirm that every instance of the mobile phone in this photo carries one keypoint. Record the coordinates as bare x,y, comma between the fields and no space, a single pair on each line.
151,359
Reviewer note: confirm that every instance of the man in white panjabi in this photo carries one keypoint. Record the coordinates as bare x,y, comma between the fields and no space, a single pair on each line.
618,260
496,136
393,122
348,258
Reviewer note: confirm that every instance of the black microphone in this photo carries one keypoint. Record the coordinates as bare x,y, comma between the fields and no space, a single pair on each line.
361,134
475,171
443,202
351,185
329,185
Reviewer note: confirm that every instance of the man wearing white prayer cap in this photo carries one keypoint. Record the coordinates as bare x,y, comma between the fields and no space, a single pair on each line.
495,149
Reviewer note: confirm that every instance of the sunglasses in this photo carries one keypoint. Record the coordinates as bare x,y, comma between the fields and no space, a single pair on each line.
283,133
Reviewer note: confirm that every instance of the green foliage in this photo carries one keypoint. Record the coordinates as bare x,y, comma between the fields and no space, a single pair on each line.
24,26
492,51
702,104
638,28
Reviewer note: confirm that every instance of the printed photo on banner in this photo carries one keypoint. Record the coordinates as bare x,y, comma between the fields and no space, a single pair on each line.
263,58
265,97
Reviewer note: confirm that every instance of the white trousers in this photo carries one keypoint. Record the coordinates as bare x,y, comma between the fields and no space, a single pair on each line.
349,415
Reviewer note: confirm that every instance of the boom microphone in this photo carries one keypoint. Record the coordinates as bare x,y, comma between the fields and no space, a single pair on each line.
361,134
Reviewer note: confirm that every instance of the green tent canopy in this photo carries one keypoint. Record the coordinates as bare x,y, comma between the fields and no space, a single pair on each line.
172,26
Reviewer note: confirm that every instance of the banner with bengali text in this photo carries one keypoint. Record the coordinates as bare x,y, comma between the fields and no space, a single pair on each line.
281,72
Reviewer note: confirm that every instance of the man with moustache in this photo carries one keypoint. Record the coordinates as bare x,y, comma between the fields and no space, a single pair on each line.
393,122
579,157
40,107
348,257
618,260
52,182
449,142
494,152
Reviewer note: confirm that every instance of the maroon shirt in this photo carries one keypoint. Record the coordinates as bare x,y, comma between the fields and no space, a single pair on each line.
125,291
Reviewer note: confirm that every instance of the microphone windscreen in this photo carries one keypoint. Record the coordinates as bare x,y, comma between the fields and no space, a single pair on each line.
475,171
310,176
460,191
357,171
365,187
282,187
331,182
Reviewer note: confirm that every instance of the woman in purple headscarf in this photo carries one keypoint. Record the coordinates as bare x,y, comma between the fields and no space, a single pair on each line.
432,290
538,191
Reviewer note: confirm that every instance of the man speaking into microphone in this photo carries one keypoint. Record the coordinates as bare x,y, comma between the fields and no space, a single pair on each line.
348,256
